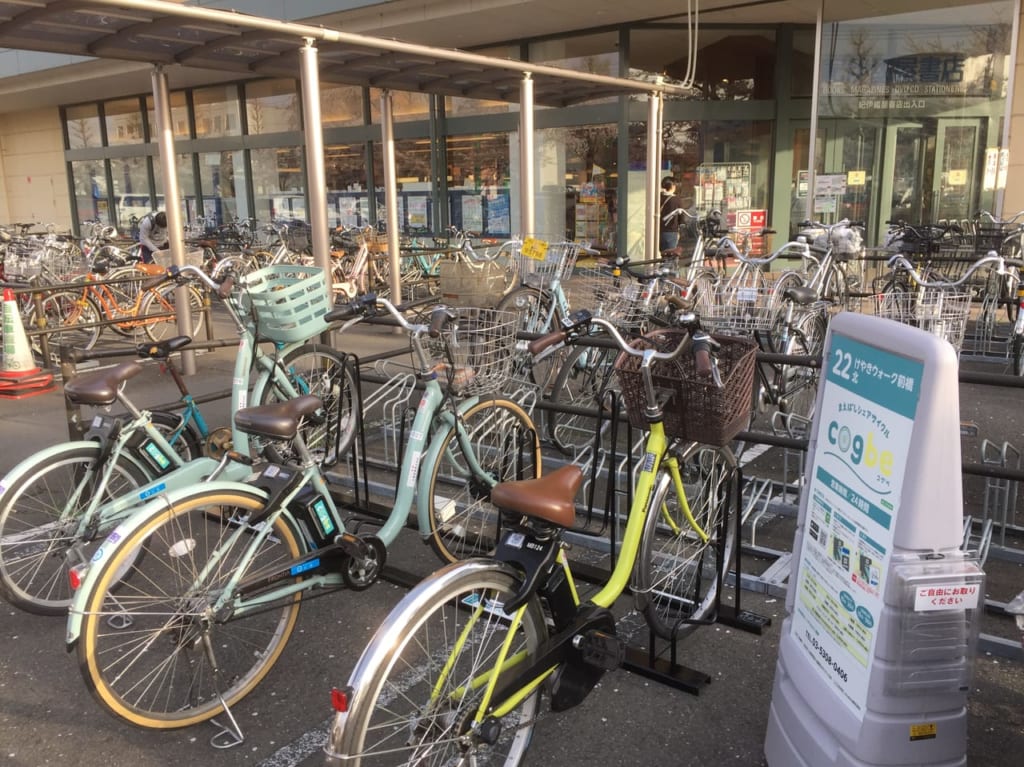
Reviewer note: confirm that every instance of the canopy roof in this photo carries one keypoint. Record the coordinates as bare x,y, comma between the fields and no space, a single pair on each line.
161,32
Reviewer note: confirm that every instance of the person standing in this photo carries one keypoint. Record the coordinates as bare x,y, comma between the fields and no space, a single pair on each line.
670,213
152,234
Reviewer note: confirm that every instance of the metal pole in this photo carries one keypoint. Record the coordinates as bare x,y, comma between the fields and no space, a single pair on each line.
653,171
812,138
172,201
387,130
527,201
314,131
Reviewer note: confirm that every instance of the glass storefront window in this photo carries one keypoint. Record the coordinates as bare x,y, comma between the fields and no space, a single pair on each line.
222,179
732,65
405,106
415,208
914,126
596,54
272,106
591,177
479,182
131,190
345,171
341,105
216,111
124,122
83,126
277,181
90,180
179,115
802,64
186,185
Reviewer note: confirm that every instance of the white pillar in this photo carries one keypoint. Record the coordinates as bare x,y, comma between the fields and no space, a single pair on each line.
391,193
317,179
653,172
172,203
527,192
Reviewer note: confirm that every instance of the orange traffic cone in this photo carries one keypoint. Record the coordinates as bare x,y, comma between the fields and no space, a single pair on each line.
19,376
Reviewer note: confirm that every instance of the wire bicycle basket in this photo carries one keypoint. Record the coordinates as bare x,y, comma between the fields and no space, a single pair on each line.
475,353
695,409
540,262
620,300
287,301
938,311
739,309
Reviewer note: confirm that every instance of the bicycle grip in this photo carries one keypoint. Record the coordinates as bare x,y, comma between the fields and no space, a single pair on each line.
226,286
702,344
157,279
438,319
553,338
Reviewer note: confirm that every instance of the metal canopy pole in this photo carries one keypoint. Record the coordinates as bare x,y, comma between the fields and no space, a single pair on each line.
653,152
527,201
314,131
172,207
387,130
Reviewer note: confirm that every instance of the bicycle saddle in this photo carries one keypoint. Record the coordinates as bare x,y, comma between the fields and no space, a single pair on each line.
100,387
551,497
279,420
801,295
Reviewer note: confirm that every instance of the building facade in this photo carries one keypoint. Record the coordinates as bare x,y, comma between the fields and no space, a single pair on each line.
911,115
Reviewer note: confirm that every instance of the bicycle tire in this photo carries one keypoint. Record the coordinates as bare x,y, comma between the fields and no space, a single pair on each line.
534,309
317,369
63,311
582,381
463,521
407,696
678,573
33,540
163,299
798,384
148,652
187,443
1017,355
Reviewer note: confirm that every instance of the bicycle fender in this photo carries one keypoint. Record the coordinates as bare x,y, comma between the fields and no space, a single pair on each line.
427,460
28,464
142,516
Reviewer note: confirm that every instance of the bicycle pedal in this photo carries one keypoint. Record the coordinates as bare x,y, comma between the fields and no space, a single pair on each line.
600,649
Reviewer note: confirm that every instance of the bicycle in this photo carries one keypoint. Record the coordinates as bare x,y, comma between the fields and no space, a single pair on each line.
942,306
456,671
58,504
223,558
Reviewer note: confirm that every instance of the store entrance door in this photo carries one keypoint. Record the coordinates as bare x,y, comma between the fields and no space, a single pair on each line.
930,171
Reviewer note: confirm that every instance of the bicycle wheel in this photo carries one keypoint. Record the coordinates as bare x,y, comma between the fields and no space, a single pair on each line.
64,312
39,516
419,683
463,521
798,384
585,376
678,573
183,437
162,300
317,369
536,315
158,652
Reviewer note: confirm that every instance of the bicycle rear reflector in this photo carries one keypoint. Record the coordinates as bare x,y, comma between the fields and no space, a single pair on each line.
340,699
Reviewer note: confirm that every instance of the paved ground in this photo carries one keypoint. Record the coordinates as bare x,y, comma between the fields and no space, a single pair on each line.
48,718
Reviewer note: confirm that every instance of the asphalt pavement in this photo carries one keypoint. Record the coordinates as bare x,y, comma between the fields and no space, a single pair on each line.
47,716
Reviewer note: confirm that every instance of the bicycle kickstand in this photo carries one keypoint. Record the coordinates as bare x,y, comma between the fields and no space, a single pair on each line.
230,735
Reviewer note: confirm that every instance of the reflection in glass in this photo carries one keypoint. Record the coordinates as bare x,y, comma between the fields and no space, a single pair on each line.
124,121
216,111
83,126
221,177
131,191
272,106
277,181
90,181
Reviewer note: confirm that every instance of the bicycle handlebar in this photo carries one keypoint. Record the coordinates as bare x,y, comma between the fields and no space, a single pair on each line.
899,261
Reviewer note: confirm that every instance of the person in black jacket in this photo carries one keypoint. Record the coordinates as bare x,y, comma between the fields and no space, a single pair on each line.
669,215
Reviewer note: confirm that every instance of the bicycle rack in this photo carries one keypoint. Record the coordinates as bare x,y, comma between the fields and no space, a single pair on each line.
229,735
979,543
1000,500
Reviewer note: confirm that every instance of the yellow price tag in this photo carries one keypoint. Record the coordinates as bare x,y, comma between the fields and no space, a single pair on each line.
535,249
923,731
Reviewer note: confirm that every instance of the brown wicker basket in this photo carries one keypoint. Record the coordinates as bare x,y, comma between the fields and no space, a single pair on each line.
697,410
